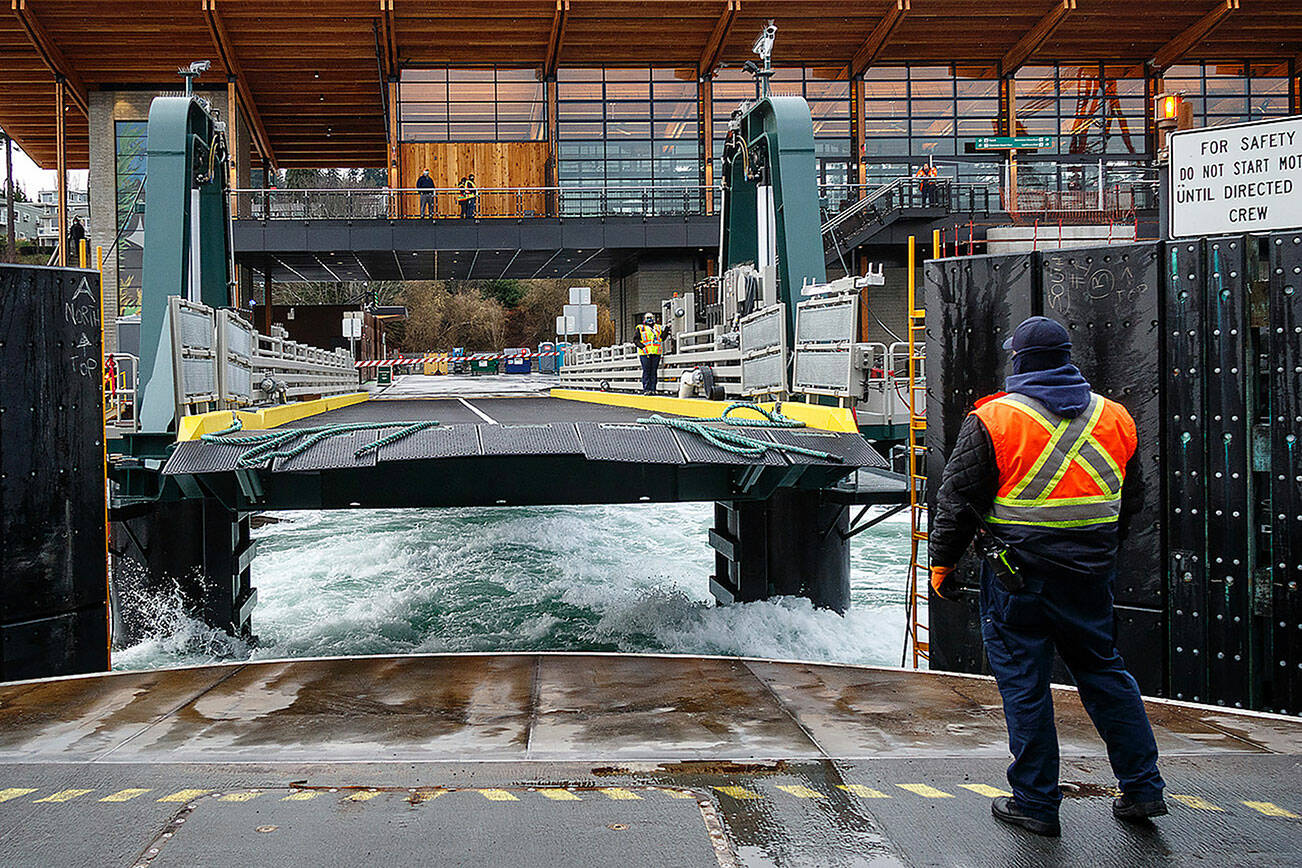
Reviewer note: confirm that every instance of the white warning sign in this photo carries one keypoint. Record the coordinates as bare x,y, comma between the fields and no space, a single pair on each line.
1241,178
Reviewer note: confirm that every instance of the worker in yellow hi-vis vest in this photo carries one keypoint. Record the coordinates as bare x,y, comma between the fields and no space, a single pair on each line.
650,346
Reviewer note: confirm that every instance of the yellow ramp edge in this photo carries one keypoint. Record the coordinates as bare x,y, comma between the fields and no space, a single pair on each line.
813,415
194,427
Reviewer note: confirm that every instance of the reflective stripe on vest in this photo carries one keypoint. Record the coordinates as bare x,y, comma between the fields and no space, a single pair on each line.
650,337
1031,499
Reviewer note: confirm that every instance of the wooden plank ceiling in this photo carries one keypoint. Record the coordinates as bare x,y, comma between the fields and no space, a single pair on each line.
314,71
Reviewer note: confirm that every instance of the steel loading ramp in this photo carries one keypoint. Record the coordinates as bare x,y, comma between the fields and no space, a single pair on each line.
521,451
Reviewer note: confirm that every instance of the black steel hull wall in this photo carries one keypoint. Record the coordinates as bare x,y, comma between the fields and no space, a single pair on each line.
1202,342
53,585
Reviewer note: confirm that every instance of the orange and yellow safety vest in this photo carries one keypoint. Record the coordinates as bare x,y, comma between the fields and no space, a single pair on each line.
1056,472
650,340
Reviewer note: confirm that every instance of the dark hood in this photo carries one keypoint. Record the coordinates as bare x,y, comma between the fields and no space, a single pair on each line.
1049,377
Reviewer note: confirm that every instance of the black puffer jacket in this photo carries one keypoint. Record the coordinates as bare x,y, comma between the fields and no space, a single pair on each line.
967,491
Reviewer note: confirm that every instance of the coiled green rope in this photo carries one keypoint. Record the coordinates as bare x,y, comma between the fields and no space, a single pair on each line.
267,444
739,444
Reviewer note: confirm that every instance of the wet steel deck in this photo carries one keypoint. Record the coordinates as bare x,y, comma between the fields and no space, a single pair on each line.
550,759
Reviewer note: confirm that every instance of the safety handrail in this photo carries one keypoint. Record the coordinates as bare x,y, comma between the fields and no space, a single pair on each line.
864,203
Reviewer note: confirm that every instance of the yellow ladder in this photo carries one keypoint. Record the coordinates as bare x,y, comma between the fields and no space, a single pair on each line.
917,639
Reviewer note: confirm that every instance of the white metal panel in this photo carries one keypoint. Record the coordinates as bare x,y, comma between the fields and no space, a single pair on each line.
764,329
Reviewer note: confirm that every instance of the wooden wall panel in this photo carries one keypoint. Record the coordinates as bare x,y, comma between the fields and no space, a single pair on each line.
497,166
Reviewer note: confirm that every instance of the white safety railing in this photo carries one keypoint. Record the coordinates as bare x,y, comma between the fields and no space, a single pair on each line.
287,369
619,368
194,356
220,363
488,202
826,330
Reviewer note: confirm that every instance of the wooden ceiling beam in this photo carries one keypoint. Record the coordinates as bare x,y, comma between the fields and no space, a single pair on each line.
718,38
876,41
1035,37
559,18
389,34
52,56
1189,37
222,42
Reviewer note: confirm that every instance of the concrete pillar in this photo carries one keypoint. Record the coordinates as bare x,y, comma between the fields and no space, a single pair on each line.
638,285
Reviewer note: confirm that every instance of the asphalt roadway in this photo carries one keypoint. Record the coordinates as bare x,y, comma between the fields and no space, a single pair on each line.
563,759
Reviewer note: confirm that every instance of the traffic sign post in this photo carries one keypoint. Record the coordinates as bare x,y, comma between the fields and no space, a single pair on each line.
1236,179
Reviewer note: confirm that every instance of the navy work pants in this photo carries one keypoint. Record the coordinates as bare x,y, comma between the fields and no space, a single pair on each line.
650,364
1073,614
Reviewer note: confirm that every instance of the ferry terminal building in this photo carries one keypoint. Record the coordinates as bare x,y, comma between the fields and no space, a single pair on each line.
583,110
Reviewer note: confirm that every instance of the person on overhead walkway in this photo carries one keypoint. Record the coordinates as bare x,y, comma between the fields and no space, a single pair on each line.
425,184
650,346
1046,475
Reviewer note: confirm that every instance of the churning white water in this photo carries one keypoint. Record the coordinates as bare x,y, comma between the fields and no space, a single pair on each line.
569,578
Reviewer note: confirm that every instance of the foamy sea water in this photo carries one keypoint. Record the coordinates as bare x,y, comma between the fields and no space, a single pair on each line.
570,578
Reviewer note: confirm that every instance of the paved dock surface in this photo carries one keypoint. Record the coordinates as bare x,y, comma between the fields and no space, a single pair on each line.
561,759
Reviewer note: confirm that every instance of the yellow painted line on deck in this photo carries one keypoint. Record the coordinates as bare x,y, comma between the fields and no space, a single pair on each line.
1196,802
619,794
184,795
240,797
986,790
301,796
925,791
193,427
15,792
677,794
862,792
125,795
63,796
363,796
497,795
737,792
813,415
1270,809
801,792
558,795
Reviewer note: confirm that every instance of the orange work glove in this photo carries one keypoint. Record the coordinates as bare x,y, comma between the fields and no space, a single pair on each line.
940,581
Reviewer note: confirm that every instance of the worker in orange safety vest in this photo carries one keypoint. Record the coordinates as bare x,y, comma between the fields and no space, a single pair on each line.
1046,476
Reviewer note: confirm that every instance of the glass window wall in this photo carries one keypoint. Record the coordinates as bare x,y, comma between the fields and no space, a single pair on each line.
129,141
629,128
471,105
917,113
1089,109
1230,93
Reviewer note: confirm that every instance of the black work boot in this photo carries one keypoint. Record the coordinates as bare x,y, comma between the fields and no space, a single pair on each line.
1126,808
1006,810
